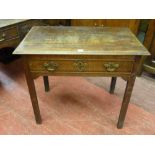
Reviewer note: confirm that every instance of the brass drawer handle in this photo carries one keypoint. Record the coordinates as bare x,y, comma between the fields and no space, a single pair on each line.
110,67
2,37
80,65
51,66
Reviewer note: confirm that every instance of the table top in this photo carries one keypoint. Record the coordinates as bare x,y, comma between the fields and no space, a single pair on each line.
71,40
8,22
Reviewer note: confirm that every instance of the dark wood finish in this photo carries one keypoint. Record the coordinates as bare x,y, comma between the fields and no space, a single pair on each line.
32,91
126,100
112,85
152,49
8,33
13,31
10,43
46,83
149,34
55,51
9,37
149,42
57,22
128,92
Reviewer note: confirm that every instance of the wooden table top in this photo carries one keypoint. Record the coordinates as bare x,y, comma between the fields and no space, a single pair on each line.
57,40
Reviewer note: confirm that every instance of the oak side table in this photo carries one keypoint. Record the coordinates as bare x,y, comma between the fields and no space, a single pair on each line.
81,51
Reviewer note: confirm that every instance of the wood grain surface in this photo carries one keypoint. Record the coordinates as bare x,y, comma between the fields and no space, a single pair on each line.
80,41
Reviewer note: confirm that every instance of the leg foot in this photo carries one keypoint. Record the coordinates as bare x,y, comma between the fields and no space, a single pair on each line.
38,120
120,125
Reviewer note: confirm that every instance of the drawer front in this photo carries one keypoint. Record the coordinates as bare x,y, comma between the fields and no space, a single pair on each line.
80,65
7,34
10,43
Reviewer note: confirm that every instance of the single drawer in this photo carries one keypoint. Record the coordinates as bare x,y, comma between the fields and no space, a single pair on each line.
80,65
7,34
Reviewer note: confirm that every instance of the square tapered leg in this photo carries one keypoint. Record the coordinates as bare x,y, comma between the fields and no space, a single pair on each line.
33,95
125,102
112,85
46,83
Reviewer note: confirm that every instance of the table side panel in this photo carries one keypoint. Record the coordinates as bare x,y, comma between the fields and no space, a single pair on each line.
8,35
10,43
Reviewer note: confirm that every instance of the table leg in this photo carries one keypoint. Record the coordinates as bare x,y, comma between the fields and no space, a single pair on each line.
33,95
112,85
125,102
46,83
